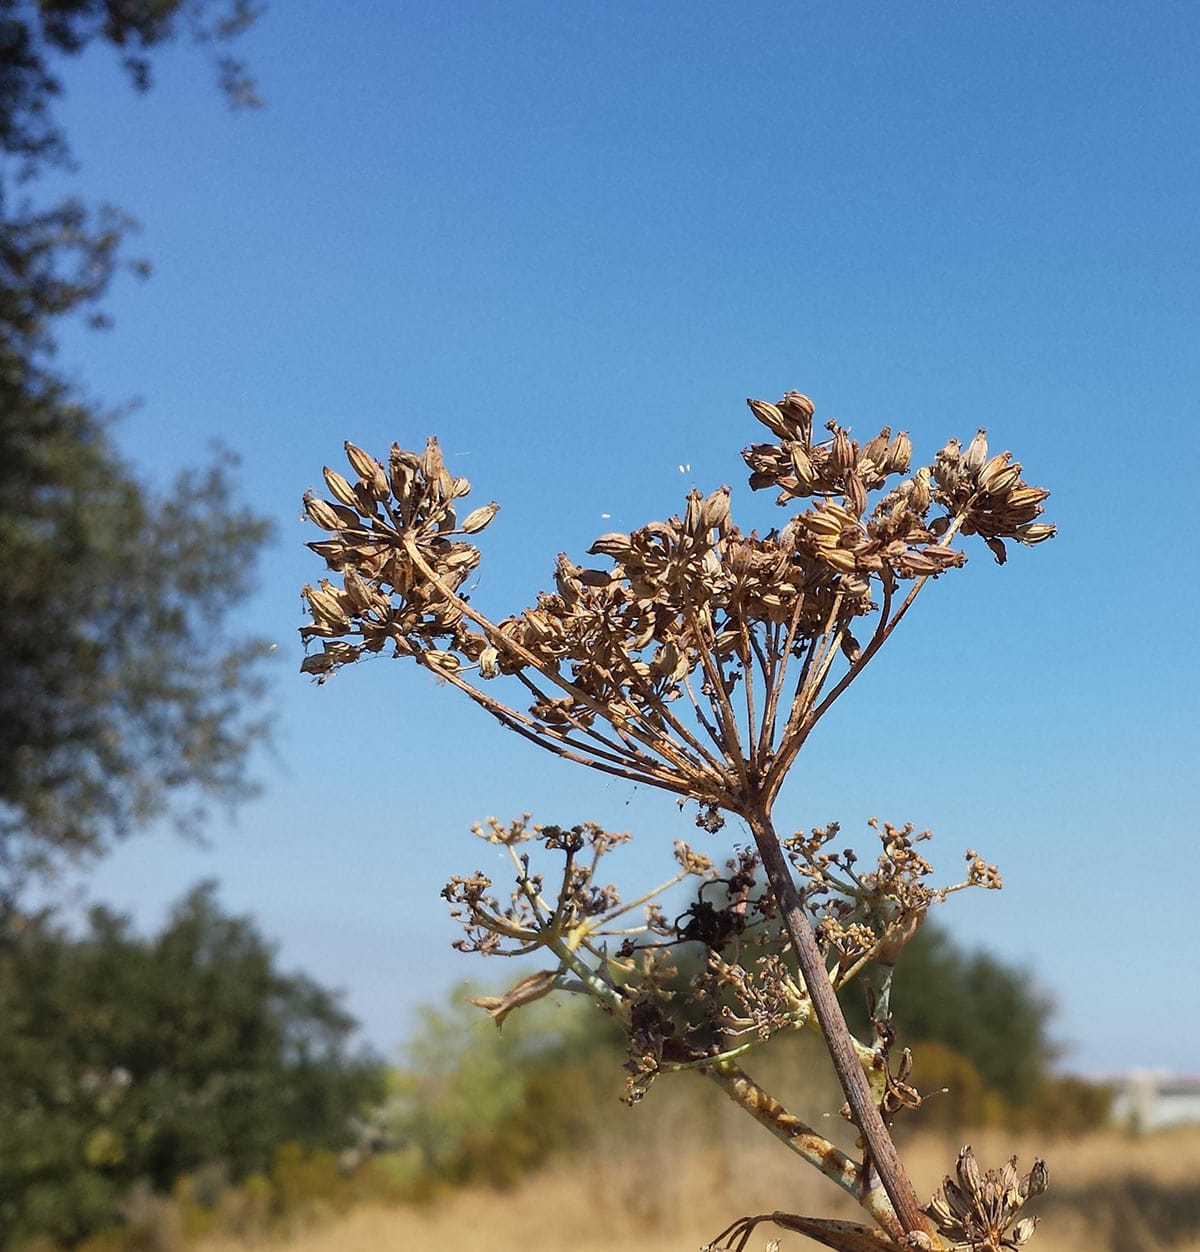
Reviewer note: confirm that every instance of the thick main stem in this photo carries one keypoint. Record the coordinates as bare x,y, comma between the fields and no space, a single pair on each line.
863,1109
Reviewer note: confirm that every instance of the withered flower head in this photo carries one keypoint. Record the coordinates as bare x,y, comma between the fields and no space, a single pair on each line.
980,1212
699,657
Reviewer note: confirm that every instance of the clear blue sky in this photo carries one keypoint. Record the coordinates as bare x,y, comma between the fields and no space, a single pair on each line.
570,239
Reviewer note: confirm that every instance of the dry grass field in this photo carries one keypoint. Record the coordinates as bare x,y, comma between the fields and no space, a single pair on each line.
1108,1192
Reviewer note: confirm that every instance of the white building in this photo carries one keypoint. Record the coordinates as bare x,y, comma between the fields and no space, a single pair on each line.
1151,1100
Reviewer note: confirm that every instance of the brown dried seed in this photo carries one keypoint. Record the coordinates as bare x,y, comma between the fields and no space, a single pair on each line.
362,463
438,659
899,454
432,465
976,454
1035,532
478,518
323,513
998,474
772,419
968,1170
339,488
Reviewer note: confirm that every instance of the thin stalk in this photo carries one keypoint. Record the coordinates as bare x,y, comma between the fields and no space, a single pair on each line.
863,1109
554,740
748,689
775,685
719,700
668,718
886,627
500,641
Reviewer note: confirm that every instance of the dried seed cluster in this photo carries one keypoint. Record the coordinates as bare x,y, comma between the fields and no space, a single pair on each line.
744,989
698,659
980,1212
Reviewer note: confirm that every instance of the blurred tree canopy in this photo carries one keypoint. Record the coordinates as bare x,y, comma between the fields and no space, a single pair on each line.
470,1103
126,1060
991,1013
122,697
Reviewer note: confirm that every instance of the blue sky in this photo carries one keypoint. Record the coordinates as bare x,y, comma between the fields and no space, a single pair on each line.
570,240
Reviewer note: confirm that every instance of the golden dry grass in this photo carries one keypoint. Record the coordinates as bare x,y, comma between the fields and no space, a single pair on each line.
664,1193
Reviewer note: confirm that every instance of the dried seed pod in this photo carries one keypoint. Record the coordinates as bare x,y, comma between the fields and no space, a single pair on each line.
773,419
340,489
326,605
615,545
998,474
478,518
875,449
841,454
489,663
797,406
919,498
976,453
1025,497
445,661
432,465
716,510
402,467
328,516
693,518
899,454
802,464
362,463
969,1174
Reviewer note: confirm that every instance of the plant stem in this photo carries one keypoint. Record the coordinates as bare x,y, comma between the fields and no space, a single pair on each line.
863,1109
798,1135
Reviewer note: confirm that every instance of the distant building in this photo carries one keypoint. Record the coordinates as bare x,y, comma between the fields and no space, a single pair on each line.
1152,1100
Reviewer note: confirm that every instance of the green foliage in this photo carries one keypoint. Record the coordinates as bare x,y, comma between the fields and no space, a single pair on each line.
125,1059
121,695
472,1103
37,36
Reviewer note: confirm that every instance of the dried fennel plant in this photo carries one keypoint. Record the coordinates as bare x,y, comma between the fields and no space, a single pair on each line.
699,662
